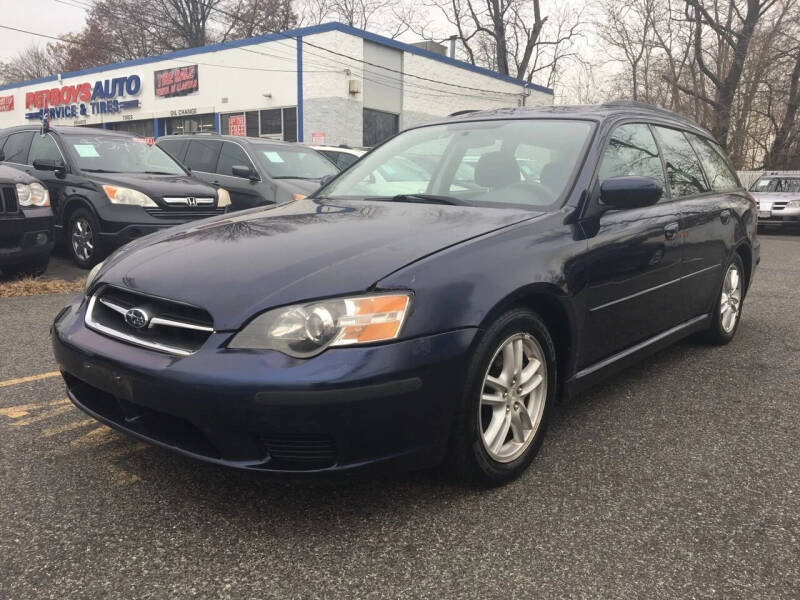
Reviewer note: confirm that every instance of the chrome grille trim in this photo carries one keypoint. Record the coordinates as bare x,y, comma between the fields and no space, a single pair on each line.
178,201
131,338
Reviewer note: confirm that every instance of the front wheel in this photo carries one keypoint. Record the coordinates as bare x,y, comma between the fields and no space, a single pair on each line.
511,384
84,239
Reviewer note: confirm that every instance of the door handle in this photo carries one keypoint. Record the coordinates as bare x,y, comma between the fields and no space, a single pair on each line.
671,231
725,216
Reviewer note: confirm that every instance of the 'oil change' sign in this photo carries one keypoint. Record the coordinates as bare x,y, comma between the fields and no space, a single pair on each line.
84,99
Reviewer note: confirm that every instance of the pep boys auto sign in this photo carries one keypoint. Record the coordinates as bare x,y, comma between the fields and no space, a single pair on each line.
84,99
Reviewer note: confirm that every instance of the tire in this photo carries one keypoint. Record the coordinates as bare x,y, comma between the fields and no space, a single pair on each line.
85,251
29,268
722,330
475,454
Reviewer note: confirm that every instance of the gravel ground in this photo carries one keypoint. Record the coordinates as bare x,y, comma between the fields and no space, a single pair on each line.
678,478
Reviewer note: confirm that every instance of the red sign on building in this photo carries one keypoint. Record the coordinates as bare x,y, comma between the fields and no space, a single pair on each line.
318,138
236,125
6,103
176,82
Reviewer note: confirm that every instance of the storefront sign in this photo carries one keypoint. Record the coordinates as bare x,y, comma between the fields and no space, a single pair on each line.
236,125
179,81
6,103
318,138
105,96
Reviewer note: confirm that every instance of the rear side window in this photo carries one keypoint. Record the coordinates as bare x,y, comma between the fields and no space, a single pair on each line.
719,174
17,146
202,155
176,148
44,147
683,167
632,151
341,159
232,155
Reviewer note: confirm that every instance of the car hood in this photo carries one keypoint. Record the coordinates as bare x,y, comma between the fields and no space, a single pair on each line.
237,266
770,197
157,186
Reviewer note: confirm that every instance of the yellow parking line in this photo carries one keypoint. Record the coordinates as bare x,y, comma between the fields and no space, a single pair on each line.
15,412
45,415
19,380
95,437
68,427
22,410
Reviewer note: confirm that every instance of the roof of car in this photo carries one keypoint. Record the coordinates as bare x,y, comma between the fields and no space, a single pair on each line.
68,129
590,111
218,136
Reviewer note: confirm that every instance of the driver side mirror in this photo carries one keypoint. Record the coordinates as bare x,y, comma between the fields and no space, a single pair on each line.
244,172
49,164
326,180
630,192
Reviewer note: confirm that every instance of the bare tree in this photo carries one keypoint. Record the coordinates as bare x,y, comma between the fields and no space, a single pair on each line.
31,63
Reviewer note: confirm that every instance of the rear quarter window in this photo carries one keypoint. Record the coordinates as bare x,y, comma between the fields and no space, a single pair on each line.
720,176
16,147
202,155
176,148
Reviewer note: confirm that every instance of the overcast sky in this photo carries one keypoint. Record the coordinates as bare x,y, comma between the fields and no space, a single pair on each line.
42,16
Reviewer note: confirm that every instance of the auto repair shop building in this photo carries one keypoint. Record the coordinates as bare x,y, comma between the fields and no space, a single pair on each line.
326,84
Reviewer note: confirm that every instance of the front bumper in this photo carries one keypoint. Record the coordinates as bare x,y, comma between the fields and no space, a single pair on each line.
19,236
388,405
779,217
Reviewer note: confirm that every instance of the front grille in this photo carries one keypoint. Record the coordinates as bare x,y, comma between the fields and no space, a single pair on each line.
298,452
8,203
780,205
188,201
184,213
159,324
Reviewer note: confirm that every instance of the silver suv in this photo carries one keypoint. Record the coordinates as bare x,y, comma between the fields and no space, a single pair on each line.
778,197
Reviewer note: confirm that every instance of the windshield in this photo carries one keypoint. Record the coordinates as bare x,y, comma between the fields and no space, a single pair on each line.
510,162
112,154
777,184
293,162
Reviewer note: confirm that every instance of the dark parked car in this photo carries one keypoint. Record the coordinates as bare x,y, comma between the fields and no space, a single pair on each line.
256,171
108,187
360,327
26,224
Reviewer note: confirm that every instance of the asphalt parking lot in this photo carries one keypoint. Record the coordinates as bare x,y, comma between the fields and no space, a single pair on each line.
678,478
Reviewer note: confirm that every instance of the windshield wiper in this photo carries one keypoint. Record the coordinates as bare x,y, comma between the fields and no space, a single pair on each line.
158,173
422,199
99,171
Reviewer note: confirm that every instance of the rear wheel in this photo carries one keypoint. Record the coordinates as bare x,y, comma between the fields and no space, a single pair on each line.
510,386
83,239
728,308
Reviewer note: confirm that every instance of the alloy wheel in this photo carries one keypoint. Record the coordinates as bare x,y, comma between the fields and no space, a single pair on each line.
82,239
513,397
731,298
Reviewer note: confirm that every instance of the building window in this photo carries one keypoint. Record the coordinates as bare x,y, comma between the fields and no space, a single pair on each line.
276,123
379,125
190,124
142,128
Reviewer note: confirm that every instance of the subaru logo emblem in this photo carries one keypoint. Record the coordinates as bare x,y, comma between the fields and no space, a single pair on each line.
137,318
191,201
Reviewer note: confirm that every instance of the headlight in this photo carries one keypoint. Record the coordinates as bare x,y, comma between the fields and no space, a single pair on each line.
32,194
793,204
223,198
121,195
304,330
92,276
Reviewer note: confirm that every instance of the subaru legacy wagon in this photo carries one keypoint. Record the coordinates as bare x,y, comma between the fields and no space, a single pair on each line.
366,327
